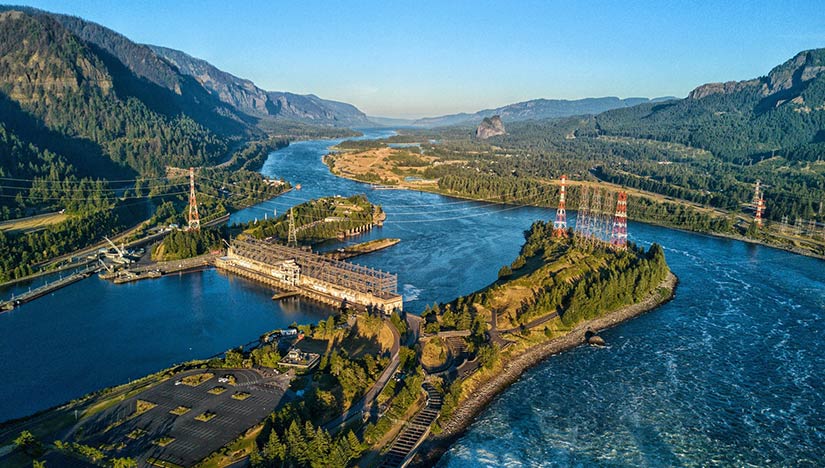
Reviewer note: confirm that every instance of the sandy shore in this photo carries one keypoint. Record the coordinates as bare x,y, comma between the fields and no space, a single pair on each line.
467,411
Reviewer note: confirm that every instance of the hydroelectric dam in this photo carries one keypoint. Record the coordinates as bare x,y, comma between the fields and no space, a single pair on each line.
312,275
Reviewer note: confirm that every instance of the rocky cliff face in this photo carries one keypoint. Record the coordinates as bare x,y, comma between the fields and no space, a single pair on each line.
793,76
245,96
237,92
33,63
490,127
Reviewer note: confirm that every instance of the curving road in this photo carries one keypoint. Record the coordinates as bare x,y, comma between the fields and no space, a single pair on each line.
363,405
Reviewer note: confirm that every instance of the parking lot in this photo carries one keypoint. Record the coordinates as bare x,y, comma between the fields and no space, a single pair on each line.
189,439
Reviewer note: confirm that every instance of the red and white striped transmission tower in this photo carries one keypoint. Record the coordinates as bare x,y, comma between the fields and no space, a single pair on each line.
194,218
759,202
618,238
760,208
560,224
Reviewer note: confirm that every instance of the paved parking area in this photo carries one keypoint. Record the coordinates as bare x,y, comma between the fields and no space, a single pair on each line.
193,439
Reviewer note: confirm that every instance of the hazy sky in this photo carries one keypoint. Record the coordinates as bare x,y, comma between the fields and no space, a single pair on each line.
429,58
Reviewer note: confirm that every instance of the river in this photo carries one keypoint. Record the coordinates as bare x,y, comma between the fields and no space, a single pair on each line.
727,373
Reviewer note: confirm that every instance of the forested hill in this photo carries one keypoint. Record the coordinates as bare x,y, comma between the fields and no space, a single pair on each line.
245,96
78,99
61,93
782,114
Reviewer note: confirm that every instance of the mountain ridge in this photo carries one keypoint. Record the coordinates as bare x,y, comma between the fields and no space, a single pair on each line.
536,109
245,95
743,121
218,101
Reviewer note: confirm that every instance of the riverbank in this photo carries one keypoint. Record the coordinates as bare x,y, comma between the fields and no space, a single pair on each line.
380,167
430,186
469,409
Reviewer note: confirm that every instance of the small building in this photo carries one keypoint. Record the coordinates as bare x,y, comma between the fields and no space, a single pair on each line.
299,359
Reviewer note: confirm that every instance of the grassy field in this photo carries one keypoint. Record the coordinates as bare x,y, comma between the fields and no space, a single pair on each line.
33,223
383,165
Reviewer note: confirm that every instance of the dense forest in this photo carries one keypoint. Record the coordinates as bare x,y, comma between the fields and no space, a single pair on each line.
78,92
777,113
545,150
186,244
621,277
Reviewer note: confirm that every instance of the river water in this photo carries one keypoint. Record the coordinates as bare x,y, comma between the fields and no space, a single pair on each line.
728,373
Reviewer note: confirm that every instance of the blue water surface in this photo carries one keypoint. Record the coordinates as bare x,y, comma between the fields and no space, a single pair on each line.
729,373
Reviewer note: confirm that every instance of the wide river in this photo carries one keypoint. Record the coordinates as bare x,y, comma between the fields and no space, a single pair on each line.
728,373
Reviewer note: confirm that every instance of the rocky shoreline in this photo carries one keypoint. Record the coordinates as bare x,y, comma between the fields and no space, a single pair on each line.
469,409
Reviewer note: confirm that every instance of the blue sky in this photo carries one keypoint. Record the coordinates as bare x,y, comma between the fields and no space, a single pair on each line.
419,58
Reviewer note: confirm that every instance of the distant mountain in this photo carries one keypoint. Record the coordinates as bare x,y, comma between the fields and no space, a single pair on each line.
312,109
391,121
245,96
781,113
536,109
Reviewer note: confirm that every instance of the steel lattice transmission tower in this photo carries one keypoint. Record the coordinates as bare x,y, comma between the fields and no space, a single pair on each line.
194,218
757,191
594,223
560,224
759,202
760,208
582,214
618,239
292,237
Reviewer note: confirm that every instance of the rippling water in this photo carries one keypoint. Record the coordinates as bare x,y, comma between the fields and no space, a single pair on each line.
728,373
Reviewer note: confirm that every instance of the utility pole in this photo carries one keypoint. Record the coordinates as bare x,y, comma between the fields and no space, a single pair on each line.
194,218
560,224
